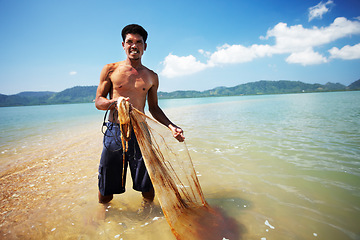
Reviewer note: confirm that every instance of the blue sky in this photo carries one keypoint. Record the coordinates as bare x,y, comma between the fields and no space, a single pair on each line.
51,45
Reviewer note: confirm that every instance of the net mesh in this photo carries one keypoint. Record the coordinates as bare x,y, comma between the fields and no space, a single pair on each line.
174,179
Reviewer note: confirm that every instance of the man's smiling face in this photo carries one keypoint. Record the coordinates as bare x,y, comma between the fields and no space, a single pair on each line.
134,46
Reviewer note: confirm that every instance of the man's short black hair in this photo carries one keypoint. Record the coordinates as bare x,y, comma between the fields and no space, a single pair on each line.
134,29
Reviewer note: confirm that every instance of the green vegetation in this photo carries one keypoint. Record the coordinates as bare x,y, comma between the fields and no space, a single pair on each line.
263,87
71,95
86,94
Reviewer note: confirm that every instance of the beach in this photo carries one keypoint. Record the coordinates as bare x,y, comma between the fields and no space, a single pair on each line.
283,166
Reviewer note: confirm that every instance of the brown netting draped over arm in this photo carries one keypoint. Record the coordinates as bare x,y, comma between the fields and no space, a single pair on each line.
175,182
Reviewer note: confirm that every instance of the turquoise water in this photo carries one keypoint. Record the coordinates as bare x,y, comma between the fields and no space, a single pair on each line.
23,122
284,166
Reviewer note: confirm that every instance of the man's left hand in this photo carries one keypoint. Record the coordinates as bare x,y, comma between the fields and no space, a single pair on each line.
178,133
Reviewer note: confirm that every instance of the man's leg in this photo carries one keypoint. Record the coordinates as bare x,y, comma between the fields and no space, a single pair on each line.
105,199
149,196
146,205
111,169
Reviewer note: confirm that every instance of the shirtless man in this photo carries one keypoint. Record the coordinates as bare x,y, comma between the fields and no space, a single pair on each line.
135,82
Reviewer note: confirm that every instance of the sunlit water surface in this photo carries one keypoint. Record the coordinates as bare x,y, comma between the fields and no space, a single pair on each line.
284,166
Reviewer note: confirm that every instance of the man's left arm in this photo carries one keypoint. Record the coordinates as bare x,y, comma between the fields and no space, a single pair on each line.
159,115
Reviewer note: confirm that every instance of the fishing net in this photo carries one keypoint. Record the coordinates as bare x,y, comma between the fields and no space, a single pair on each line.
174,179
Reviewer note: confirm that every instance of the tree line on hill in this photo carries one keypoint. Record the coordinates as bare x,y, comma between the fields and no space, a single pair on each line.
86,94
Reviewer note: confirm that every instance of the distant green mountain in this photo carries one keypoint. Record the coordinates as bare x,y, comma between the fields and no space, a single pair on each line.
260,87
355,85
84,94
71,95
25,99
74,95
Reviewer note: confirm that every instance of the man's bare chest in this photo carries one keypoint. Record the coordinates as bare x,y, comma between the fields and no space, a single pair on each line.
130,80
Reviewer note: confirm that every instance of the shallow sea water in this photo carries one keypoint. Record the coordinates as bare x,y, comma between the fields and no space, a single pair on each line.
284,166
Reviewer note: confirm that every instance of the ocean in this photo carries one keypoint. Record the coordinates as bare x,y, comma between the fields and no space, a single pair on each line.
283,166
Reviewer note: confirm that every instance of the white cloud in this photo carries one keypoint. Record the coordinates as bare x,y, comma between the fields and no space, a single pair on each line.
307,57
319,10
205,53
346,53
238,54
297,38
231,54
72,73
175,66
297,41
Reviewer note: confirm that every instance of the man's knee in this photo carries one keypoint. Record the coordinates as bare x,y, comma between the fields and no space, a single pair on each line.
105,199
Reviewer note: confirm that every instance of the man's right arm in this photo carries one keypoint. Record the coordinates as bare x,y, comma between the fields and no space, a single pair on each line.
101,100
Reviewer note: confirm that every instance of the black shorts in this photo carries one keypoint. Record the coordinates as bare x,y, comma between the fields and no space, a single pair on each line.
111,164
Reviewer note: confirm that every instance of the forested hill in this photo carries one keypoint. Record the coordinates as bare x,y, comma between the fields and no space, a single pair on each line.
85,94
261,87
71,95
